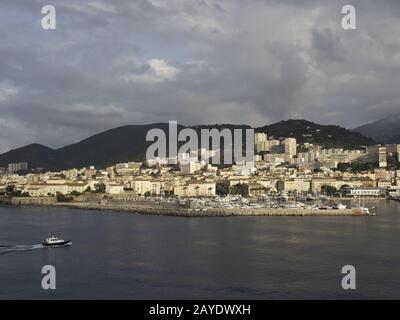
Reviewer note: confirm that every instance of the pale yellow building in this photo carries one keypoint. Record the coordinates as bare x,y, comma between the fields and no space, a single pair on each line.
143,186
40,190
294,185
195,189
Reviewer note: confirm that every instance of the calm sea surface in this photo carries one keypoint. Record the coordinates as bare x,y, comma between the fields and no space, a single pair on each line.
128,256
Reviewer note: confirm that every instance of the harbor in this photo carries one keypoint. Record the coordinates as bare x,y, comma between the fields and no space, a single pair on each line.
275,257
231,205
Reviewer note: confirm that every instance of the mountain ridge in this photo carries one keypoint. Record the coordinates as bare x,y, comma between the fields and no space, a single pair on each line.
128,143
386,130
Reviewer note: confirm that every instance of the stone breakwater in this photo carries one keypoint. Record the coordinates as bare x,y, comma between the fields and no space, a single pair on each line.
170,210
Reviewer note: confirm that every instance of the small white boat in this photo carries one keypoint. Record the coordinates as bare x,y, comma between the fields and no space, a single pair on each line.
55,242
368,212
340,206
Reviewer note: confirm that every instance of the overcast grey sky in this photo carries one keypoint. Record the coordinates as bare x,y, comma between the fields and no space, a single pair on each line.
119,62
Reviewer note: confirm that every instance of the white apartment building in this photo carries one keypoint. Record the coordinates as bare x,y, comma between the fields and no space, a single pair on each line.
114,188
362,192
290,146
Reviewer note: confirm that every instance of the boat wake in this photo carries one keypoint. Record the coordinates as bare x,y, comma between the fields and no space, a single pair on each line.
4,249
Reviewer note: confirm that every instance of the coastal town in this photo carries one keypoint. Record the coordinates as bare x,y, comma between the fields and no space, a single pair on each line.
285,178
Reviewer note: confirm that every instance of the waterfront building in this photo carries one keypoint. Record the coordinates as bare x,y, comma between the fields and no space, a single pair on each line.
195,189
114,188
362,192
293,185
384,184
144,185
318,183
45,189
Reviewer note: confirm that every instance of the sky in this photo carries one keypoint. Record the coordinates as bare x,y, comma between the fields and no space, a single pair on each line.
113,63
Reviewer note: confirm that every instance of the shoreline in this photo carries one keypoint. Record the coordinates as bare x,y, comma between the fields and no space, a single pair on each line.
174,211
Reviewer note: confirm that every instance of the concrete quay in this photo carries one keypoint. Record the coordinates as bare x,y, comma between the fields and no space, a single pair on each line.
171,210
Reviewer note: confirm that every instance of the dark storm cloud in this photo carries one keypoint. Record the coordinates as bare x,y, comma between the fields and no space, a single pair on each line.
112,63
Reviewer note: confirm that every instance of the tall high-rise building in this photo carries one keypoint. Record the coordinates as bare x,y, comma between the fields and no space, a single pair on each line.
260,137
261,142
290,145
14,167
398,152
382,156
394,150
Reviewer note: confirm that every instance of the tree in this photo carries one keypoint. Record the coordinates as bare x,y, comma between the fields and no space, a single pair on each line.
222,188
10,189
357,166
147,194
17,193
328,190
343,166
240,189
100,188
63,198
392,163
75,193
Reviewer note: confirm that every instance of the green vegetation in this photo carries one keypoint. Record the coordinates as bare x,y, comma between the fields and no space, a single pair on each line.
357,166
116,145
344,187
12,191
393,164
326,136
222,188
25,194
240,189
328,190
63,198
100,188
75,193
